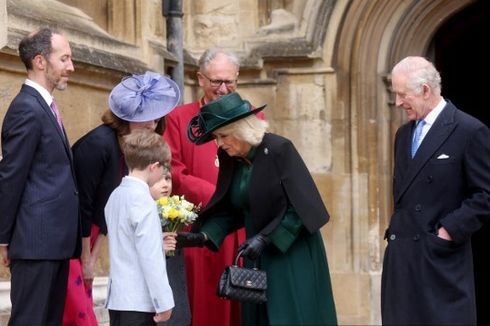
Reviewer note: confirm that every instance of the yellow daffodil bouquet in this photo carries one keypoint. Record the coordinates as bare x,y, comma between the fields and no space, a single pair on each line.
175,213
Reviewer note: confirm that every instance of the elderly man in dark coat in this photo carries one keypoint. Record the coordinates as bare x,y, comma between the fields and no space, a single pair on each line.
441,197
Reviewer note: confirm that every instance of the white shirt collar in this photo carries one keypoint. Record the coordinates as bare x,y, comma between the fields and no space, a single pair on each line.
43,91
432,116
138,180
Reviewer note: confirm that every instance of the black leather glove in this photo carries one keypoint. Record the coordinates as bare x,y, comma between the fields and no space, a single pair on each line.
190,239
253,247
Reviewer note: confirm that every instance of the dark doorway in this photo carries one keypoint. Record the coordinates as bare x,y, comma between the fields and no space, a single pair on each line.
460,56
462,60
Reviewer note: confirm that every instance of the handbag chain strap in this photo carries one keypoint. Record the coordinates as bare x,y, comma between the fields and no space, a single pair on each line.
240,255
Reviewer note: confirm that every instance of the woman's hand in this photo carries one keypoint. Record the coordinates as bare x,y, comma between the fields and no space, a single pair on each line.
253,247
169,241
88,263
88,271
89,258
191,239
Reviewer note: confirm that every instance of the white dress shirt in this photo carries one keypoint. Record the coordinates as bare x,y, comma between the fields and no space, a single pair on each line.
431,118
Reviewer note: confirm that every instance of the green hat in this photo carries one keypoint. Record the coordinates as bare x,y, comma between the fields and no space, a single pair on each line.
217,114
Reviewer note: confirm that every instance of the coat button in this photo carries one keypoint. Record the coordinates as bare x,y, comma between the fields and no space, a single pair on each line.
416,237
392,237
429,179
418,208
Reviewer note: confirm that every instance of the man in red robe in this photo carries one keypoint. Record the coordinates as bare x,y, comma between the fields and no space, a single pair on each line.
194,175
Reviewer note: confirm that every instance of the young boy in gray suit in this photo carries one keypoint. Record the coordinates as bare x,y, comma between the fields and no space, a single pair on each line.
138,289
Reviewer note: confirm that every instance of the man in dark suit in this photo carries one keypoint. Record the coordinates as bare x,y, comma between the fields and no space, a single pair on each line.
441,197
39,223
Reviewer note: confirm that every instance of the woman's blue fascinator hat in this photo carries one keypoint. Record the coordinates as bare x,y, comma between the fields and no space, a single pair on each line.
141,98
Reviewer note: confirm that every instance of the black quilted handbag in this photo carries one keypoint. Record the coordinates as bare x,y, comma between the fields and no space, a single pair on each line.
243,284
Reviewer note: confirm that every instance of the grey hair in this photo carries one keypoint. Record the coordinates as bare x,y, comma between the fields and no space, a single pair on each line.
419,71
250,129
210,54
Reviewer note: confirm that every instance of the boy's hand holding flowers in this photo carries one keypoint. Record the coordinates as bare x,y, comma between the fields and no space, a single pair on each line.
169,241
175,213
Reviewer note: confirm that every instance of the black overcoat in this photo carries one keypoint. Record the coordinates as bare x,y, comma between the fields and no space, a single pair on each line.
427,280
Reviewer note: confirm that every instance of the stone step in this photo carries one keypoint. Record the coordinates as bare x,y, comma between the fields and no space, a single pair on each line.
100,312
99,292
102,315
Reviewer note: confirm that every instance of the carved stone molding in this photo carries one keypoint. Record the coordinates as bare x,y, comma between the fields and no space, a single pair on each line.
90,43
303,42
3,23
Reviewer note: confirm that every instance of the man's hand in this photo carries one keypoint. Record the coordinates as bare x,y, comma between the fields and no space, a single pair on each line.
253,247
442,233
190,239
4,256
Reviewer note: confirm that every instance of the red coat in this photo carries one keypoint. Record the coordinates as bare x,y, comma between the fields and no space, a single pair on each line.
194,174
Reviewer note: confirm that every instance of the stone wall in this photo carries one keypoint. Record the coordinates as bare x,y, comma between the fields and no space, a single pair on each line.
321,66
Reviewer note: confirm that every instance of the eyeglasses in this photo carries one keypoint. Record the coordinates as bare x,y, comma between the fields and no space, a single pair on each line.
219,82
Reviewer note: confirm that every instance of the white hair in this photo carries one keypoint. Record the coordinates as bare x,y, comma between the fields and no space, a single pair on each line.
419,71
249,129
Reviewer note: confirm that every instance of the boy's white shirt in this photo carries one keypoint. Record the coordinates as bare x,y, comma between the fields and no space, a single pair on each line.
138,276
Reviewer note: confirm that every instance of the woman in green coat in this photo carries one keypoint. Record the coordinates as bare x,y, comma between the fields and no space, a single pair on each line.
264,185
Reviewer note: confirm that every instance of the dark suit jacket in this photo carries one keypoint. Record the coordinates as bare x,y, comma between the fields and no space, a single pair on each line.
38,195
428,280
279,179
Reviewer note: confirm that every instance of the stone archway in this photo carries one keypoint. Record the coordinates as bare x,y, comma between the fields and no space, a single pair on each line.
372,37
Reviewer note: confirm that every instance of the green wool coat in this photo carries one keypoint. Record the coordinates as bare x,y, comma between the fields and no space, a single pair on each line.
299,290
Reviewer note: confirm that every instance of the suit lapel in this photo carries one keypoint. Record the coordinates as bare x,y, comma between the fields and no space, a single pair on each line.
437,135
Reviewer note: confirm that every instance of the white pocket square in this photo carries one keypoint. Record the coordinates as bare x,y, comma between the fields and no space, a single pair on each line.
443,157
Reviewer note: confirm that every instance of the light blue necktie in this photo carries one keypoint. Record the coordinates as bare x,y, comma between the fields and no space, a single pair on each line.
417,137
